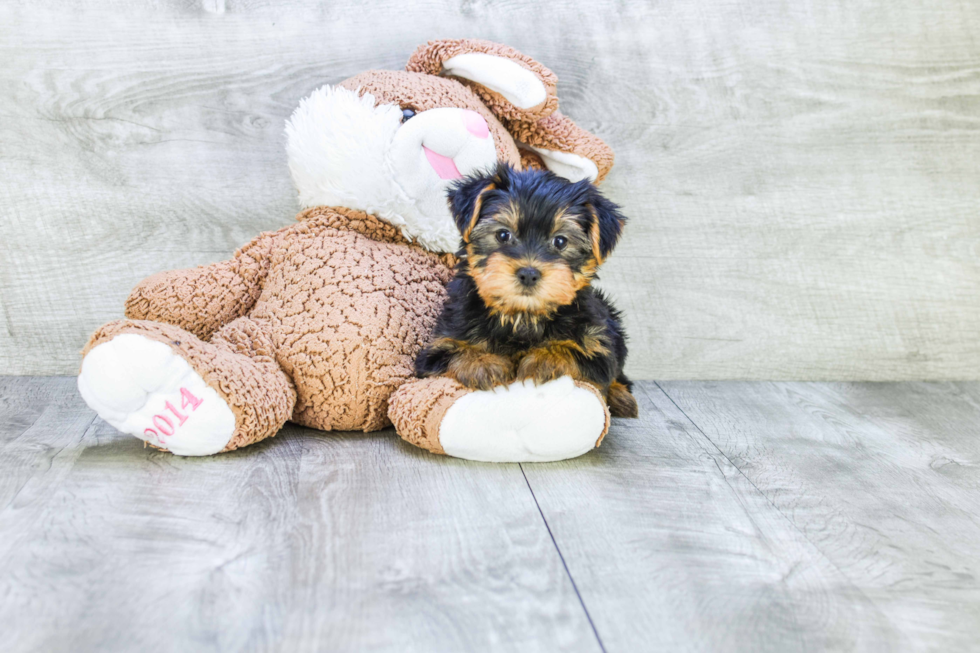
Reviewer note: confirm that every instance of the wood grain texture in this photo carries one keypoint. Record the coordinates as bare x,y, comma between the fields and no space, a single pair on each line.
883,479
673,549
305,542
801,176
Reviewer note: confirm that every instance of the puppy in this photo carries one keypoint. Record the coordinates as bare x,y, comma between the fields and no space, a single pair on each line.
521,305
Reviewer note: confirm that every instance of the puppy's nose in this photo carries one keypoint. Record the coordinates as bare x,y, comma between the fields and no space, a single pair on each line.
528,276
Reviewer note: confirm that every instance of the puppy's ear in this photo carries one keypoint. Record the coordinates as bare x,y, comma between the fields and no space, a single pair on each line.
606,224
466,198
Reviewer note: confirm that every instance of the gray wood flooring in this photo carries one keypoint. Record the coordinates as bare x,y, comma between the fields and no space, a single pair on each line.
732,516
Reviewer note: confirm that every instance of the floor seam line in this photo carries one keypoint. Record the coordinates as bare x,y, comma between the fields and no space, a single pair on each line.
779,511
561,557
21,434
21,488
749,480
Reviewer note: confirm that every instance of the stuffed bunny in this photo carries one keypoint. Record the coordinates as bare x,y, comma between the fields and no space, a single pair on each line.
319,323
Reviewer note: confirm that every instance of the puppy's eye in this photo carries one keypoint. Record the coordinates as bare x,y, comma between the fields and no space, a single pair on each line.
503,236
406,114
559,242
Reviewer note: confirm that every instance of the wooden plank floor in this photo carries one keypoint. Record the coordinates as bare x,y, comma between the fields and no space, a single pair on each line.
730,517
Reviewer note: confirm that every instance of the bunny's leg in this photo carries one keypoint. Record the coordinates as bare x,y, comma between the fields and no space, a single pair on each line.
164,385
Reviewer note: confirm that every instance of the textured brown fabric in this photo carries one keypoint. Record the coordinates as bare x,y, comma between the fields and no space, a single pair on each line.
531,160
350,304
602,402
417,408
558,132
201,299
429,59
238,364
423,92
344,303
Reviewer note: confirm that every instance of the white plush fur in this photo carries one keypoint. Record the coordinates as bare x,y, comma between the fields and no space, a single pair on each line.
129,380
517,84
336,146
346,151
523,423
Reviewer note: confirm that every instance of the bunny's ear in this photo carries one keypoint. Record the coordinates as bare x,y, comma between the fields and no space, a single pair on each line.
563,147
514,86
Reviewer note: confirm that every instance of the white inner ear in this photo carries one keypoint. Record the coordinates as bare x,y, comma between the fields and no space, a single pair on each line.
565,164
517,84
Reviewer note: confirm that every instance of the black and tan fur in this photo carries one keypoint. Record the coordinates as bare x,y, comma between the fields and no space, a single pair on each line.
496,328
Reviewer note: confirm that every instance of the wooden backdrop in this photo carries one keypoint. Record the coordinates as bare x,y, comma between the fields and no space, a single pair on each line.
802,174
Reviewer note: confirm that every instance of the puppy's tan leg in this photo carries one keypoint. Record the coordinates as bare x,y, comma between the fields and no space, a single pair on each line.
474,366
552,360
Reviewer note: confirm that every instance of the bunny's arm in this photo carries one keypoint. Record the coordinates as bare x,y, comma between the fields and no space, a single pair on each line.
203,299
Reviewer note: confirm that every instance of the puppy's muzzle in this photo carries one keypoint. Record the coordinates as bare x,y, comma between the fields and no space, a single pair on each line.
529,276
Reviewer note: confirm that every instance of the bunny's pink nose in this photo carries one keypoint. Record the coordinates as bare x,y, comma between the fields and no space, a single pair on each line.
475,124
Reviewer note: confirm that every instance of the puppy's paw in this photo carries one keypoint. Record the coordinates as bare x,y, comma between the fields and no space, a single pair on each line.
547,364
481,371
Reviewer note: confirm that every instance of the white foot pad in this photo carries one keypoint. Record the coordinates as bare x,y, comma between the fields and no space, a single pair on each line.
141,387
523,423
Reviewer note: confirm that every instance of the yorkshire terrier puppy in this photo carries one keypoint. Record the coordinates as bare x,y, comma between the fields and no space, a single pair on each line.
521,305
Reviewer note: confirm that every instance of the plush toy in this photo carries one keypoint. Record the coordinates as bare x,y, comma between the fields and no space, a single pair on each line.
319,323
